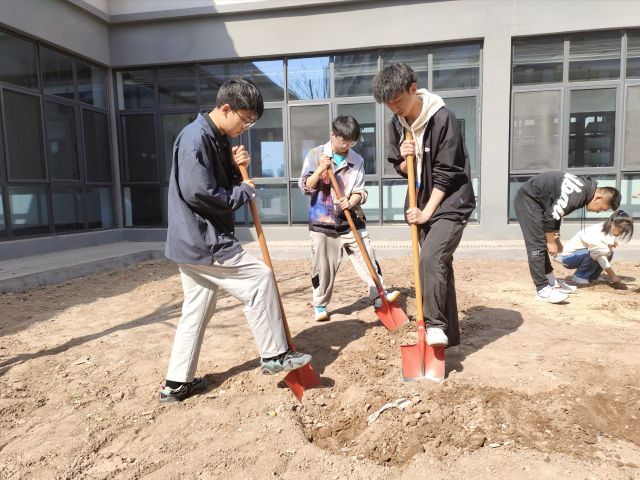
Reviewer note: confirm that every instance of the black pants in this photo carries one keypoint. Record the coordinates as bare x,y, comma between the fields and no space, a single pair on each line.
440,308
530,217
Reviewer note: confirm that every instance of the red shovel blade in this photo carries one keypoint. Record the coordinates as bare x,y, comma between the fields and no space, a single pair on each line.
427,364
391,315
302,379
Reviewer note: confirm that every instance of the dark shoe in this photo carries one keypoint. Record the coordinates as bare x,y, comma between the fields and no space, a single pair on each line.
284,362
185,390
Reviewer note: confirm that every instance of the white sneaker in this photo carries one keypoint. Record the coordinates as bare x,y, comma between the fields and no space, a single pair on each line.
436,337
392,296
321,314
563,287
580,280
549,294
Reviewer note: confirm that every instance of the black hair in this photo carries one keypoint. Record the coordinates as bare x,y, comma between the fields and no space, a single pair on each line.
347,127
392,81
241,94
614,196
623,222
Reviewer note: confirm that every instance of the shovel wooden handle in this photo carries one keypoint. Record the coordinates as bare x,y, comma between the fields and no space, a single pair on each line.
415,241
265,254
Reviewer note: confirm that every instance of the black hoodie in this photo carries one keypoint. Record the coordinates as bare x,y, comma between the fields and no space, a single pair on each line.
558,194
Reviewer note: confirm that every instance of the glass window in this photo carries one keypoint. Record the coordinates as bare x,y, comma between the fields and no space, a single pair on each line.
29,212
177,86
603,181
139,148
308,78
394,193
365,114
57,74
266,145
353,73
92,87
24,136
456,67
268,75
415,57
514,185
594,56
61,141
371,208
633,55
592,128
17,61
630,191
142,206
97,153
299,205
537,60
172,125
632,129
3,225
464,108
475,183
273,204
67,208
135,89
535,130
310,127
99,202
212,76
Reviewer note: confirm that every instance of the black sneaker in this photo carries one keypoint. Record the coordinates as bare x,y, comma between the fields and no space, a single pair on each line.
168,394
285,362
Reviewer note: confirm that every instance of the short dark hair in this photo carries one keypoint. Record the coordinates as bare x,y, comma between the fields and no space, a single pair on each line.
241,94
623,222
614,196
347,127
392,81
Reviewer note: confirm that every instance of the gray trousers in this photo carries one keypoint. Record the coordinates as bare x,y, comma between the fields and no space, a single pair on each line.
326,256
245,278
439,241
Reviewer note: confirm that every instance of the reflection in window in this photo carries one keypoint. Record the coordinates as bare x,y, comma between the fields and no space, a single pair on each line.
353,73
211,77
633,55
299,205
57,74
177,86
365,114
537,60
3,225
142,206
172,125
29,212
514,185
61,141
371,207
456,67
632,129
592,128
308,78
92,87
268,75
594,56
135,89
266,145
99,204
464,108
67,208
97,153
394,193
630,191
17,61
139,148
273,203
535,130
24,136
415,57
310,127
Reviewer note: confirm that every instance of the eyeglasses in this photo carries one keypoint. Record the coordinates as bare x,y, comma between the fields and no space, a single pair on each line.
245,124
344,143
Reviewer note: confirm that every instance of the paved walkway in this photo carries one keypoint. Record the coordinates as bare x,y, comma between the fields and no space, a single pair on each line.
27,272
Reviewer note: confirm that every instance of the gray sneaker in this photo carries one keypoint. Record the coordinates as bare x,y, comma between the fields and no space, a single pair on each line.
168,394
285,362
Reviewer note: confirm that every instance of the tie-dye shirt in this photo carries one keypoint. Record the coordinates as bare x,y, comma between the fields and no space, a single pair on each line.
324,215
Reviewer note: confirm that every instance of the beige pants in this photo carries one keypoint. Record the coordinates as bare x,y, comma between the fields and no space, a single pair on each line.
245,278
326,256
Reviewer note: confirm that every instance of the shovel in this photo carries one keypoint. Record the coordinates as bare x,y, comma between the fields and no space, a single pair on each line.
304,377
390,314
420,361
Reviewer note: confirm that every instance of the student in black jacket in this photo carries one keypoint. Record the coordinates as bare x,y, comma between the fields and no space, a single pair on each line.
444,191
540,205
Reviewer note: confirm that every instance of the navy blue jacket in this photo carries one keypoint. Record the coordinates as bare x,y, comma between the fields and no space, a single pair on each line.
205,189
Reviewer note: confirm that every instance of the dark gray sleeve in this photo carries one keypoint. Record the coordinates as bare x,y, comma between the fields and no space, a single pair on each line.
393,148
449,162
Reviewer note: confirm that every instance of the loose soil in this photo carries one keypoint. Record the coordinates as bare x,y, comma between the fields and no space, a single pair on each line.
536,390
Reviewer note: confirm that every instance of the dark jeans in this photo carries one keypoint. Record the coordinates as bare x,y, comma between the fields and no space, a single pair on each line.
586,267
440,308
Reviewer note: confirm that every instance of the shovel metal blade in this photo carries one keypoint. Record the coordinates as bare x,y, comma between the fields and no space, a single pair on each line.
391,315
422,363
302,379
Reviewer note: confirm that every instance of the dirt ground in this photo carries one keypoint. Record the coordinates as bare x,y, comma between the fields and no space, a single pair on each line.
537,390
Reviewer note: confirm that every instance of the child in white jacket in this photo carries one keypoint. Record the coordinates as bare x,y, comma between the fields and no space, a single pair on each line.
591,249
